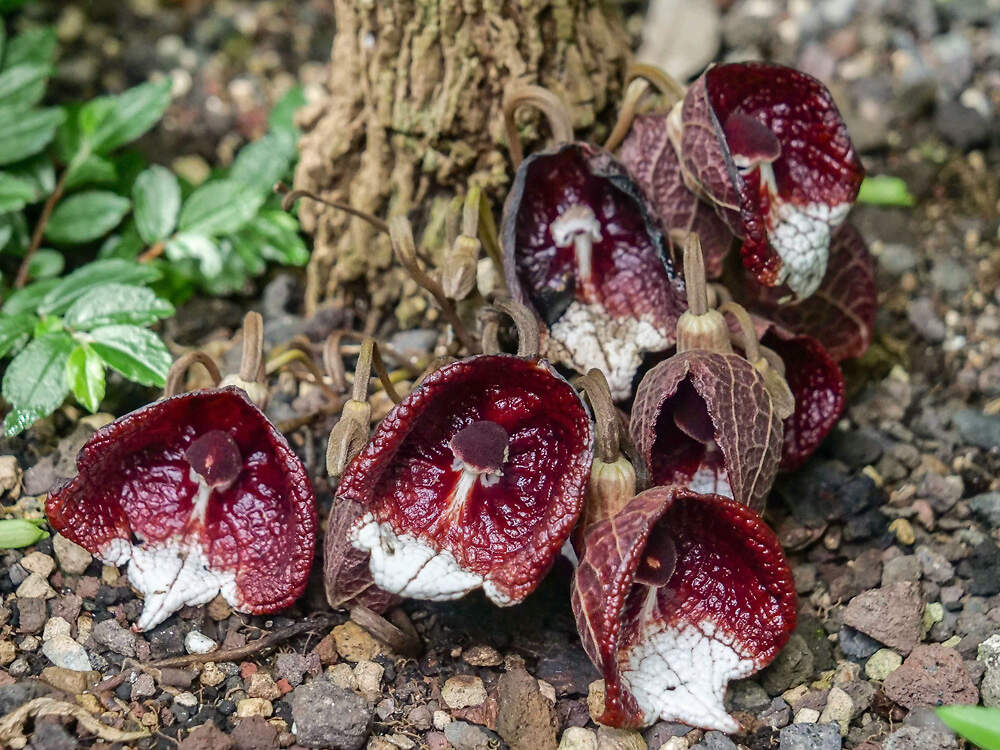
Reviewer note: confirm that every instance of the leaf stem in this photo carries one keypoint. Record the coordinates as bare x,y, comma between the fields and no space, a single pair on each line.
155,251
36,237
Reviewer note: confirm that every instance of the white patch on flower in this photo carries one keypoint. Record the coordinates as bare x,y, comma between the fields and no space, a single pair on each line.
586,336
801,236
708,480
173,573
405,565
679,672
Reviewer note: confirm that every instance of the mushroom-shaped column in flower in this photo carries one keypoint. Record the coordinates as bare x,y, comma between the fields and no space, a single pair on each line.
676,596
198,494
474,480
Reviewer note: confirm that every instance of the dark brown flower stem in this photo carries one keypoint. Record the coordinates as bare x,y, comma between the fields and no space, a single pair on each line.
560,122
748,334
290,196
368,358
36,237
639,79
405,250
528,332
607,428
252,361
178,371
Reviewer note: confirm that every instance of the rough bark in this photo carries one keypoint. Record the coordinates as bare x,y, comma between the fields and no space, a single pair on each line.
413,116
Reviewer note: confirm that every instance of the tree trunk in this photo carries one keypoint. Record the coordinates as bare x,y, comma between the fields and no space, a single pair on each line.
413,115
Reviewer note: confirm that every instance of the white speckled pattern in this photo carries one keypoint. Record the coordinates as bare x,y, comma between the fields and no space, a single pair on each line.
679,672
575,340
801,236
405,565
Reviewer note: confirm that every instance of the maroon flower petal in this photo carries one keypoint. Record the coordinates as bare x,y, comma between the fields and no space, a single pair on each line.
676,596
437,526
651,159
841,314
768,147
818,387
580,247
705,421
346,573
199,494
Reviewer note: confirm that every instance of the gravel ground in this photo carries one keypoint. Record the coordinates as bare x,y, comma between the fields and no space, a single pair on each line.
892,529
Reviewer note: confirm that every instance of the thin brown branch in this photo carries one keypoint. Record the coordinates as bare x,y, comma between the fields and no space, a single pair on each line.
36,237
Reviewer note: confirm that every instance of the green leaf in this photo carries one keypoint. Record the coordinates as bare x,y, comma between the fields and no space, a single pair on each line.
262,163
39,172
82,280
113,304
15,330
157,197
35,381
13,234
883,190
27,133
22,86
136,353
977,724
196,247
15,192
17,532
275,234
3,40
282,117
127,244
45,264
28,298
93,170
219,207
85,376
32,46
110,122
86,216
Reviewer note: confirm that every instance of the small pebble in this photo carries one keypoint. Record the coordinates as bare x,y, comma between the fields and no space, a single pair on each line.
196,642
882,663
254,707
462,691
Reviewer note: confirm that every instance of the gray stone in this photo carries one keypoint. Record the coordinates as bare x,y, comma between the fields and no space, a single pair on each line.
976,428
934,565
949,275
920,738
747,695
925,320
856,645
986,508
810,737
715,741
16,695
962,126
64,652
291,667
695,43
897,259
902,568
465,736
989,689
793,666
114,637
328,716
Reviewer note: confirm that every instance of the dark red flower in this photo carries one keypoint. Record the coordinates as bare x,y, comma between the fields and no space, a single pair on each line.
199,494
676,596
581,249
767,146
651,159
705,420
841,314
818,387
474,480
